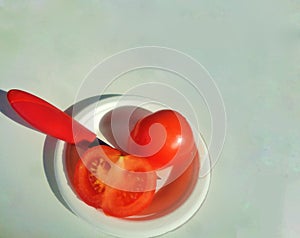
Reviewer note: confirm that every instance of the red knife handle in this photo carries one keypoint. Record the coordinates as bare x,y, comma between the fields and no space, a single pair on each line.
47,118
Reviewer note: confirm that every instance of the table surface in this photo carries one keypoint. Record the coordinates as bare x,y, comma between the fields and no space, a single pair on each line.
252,52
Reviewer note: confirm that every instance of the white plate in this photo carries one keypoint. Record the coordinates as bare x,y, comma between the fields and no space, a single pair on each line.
139,226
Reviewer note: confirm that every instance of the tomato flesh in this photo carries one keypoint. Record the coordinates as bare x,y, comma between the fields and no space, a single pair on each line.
131,203
86,186
113,201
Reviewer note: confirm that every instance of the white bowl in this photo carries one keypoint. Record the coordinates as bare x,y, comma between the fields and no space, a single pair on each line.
148,224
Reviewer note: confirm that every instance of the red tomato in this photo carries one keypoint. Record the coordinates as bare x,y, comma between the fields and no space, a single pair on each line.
113,201
174,135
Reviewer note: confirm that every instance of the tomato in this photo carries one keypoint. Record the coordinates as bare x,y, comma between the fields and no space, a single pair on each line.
163,137
105,162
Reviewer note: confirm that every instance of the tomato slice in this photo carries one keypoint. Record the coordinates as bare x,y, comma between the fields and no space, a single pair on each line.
123,203
113,201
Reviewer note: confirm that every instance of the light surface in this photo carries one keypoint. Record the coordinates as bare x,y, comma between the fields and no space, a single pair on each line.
251,50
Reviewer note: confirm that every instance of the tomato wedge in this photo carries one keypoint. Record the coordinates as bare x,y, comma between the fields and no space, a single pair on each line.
96,192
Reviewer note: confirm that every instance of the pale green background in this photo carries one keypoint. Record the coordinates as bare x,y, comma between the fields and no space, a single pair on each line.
252,50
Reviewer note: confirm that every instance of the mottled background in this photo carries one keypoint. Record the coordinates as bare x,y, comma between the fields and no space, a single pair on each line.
251,49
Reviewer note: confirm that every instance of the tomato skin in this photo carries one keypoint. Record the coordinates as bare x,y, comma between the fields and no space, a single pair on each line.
113,201
178,141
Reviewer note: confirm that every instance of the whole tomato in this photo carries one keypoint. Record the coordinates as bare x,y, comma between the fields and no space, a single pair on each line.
165,138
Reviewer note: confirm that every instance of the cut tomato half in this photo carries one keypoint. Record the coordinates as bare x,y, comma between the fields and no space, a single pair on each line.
96,163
